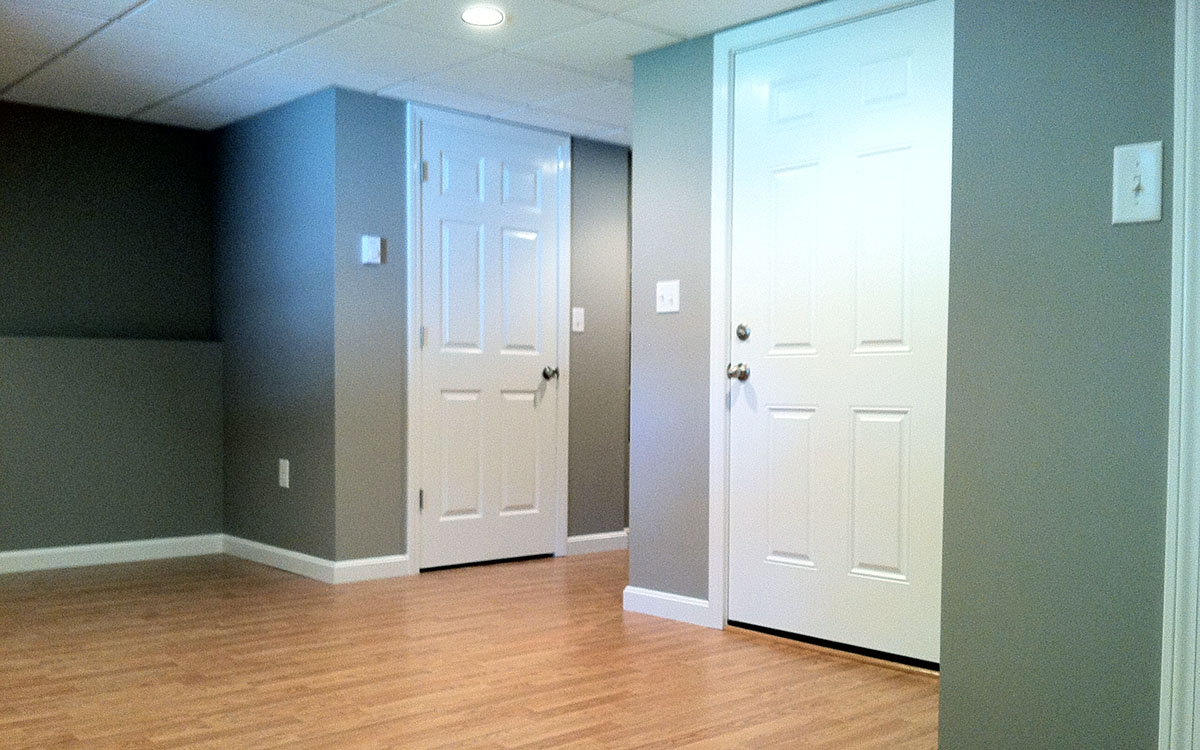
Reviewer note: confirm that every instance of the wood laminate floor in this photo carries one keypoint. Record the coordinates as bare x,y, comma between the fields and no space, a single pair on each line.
218,652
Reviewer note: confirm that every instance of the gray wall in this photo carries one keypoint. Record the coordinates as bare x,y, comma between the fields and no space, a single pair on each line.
275,220
105,227
370,328
598,474
1058,365
668,463
108,441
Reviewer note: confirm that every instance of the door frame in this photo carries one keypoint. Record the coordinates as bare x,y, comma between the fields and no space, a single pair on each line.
414,114
726,46
1181,581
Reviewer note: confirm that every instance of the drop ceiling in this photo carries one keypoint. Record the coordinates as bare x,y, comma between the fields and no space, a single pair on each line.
564,65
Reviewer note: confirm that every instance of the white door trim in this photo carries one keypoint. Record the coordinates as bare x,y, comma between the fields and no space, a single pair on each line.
413,268
726,46
1181,592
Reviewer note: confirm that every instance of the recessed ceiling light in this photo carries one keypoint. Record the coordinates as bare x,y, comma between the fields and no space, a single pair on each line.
483,15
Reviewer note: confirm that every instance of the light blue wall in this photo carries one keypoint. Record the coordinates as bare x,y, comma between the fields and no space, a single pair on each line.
275,224
105,440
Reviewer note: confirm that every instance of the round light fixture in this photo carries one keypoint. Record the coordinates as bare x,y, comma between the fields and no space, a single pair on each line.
483,15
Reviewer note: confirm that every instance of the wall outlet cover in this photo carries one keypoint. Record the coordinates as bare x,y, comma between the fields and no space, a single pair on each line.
666,298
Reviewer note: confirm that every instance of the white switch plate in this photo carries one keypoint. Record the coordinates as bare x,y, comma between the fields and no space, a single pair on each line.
666,299
285,473
1137,183
372,250
577,319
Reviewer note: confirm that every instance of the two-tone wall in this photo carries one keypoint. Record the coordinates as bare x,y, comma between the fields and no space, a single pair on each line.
110,396
129,249
1058,366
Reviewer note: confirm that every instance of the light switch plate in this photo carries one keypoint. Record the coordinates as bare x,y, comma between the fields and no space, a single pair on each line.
372,250
285,473
666,299
1137,183
577,319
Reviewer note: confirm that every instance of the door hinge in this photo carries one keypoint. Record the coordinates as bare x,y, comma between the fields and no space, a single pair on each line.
424,171
422,337
420,499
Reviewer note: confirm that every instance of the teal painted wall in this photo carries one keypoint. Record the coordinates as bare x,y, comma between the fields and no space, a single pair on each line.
107,440
1058,368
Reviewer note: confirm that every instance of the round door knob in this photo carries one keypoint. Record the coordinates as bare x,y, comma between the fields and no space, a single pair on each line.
740,371
549,372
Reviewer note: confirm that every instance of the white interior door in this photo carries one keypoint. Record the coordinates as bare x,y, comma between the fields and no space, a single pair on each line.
840,243
490,245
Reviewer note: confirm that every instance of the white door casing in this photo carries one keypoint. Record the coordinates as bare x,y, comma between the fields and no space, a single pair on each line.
836,220
1179,697
489,224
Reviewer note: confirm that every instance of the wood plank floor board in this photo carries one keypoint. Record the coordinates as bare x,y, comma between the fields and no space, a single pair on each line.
217,652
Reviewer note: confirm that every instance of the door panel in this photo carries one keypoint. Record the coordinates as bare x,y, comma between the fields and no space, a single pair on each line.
840,247
490,249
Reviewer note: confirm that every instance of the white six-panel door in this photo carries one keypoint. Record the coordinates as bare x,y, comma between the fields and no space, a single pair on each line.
489,237
839,232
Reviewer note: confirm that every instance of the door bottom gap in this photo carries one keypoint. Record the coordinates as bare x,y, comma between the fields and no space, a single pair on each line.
882,658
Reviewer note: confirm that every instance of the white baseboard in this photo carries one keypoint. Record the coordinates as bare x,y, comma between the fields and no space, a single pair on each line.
671,606
328,571
607,541
80,555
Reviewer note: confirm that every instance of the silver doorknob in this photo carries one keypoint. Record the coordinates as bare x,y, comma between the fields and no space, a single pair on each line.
740,371
549,372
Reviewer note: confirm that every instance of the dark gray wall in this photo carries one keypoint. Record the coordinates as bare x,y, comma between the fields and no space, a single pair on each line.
105,227
108,441
598,474
370,328
668,465
1058,367
275,219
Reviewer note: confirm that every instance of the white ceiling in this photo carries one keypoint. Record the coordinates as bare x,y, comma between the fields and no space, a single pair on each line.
559,64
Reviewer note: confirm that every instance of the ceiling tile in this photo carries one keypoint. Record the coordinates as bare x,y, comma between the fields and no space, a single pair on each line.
346,7
690,18
123,69
244,92
609,6
611,104
258,27
32,27
602,47
526,20
448,98
541,118
509,77
99,8
15,63
389,51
